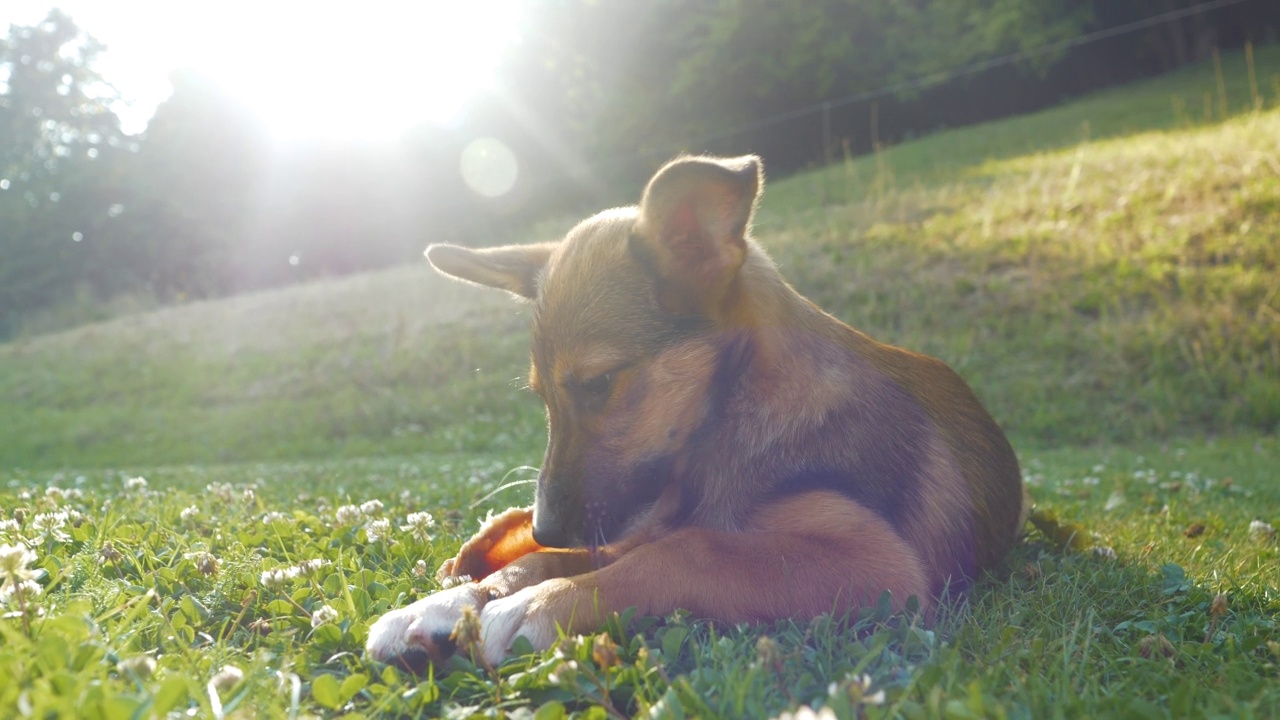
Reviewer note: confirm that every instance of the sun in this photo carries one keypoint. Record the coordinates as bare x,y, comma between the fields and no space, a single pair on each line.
354,70
311,70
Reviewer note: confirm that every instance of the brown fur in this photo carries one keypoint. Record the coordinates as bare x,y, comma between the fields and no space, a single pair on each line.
716,441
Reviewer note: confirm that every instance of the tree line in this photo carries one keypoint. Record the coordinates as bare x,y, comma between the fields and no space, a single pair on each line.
599,92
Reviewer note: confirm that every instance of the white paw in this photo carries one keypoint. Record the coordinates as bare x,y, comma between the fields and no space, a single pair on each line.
519,614
419,633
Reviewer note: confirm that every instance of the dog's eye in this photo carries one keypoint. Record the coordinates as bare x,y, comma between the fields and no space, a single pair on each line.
598,385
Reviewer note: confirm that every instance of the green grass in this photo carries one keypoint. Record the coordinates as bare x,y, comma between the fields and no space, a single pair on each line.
1062,636
398,361
1102,273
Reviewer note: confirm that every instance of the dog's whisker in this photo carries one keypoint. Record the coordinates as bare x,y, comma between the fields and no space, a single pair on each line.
517,469
595,546
499,489
506,484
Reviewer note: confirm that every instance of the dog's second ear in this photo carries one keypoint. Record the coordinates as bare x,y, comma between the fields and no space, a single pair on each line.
514,268
693,222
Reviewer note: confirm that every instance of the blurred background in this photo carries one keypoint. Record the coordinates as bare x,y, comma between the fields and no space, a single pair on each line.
155,153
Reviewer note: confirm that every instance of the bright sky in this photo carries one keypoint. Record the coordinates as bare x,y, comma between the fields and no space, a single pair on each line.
316,69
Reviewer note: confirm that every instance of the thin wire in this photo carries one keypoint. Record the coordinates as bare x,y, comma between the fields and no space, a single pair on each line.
913,83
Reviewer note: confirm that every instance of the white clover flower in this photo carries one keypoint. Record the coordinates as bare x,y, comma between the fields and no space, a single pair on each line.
50,525
1259,530
323,615
16,579
274,517
371,507
274,579
223,492
347,515
1148,475
14,560
418,525
565,673
248,496
309,568
860,689
28,589
421,519
206,563
420,568
55,493
228,677
135,483
142,666
9,528
804,712
378,530
189,513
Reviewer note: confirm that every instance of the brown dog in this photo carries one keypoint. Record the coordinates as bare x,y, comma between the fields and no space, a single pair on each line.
717,442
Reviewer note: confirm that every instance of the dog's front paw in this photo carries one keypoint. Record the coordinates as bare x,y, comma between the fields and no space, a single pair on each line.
529,613
420,634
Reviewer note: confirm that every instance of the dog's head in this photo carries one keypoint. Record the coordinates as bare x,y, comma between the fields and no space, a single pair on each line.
629,345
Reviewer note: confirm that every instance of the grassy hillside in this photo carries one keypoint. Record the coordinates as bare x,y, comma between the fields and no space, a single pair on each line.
1102,271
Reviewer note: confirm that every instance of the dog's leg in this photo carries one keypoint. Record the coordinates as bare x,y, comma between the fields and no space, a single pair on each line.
421,633
501,539
803,556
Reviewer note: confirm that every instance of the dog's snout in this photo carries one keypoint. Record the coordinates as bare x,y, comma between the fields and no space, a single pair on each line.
557,512
554,535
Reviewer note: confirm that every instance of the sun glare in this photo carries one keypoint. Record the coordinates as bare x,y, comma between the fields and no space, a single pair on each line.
364,70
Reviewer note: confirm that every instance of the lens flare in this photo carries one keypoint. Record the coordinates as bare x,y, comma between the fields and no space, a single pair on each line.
489,167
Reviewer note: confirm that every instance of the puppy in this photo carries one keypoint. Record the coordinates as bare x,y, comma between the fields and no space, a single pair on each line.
716,443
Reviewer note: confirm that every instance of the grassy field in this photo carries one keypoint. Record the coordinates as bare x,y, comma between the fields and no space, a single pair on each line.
1104,274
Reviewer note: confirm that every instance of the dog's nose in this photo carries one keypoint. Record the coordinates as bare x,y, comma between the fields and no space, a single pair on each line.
554,536
558,519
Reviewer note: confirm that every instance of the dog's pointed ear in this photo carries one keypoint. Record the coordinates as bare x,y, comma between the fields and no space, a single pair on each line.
514,268
694,218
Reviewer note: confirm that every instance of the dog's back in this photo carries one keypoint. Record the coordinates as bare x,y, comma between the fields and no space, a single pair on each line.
815,405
